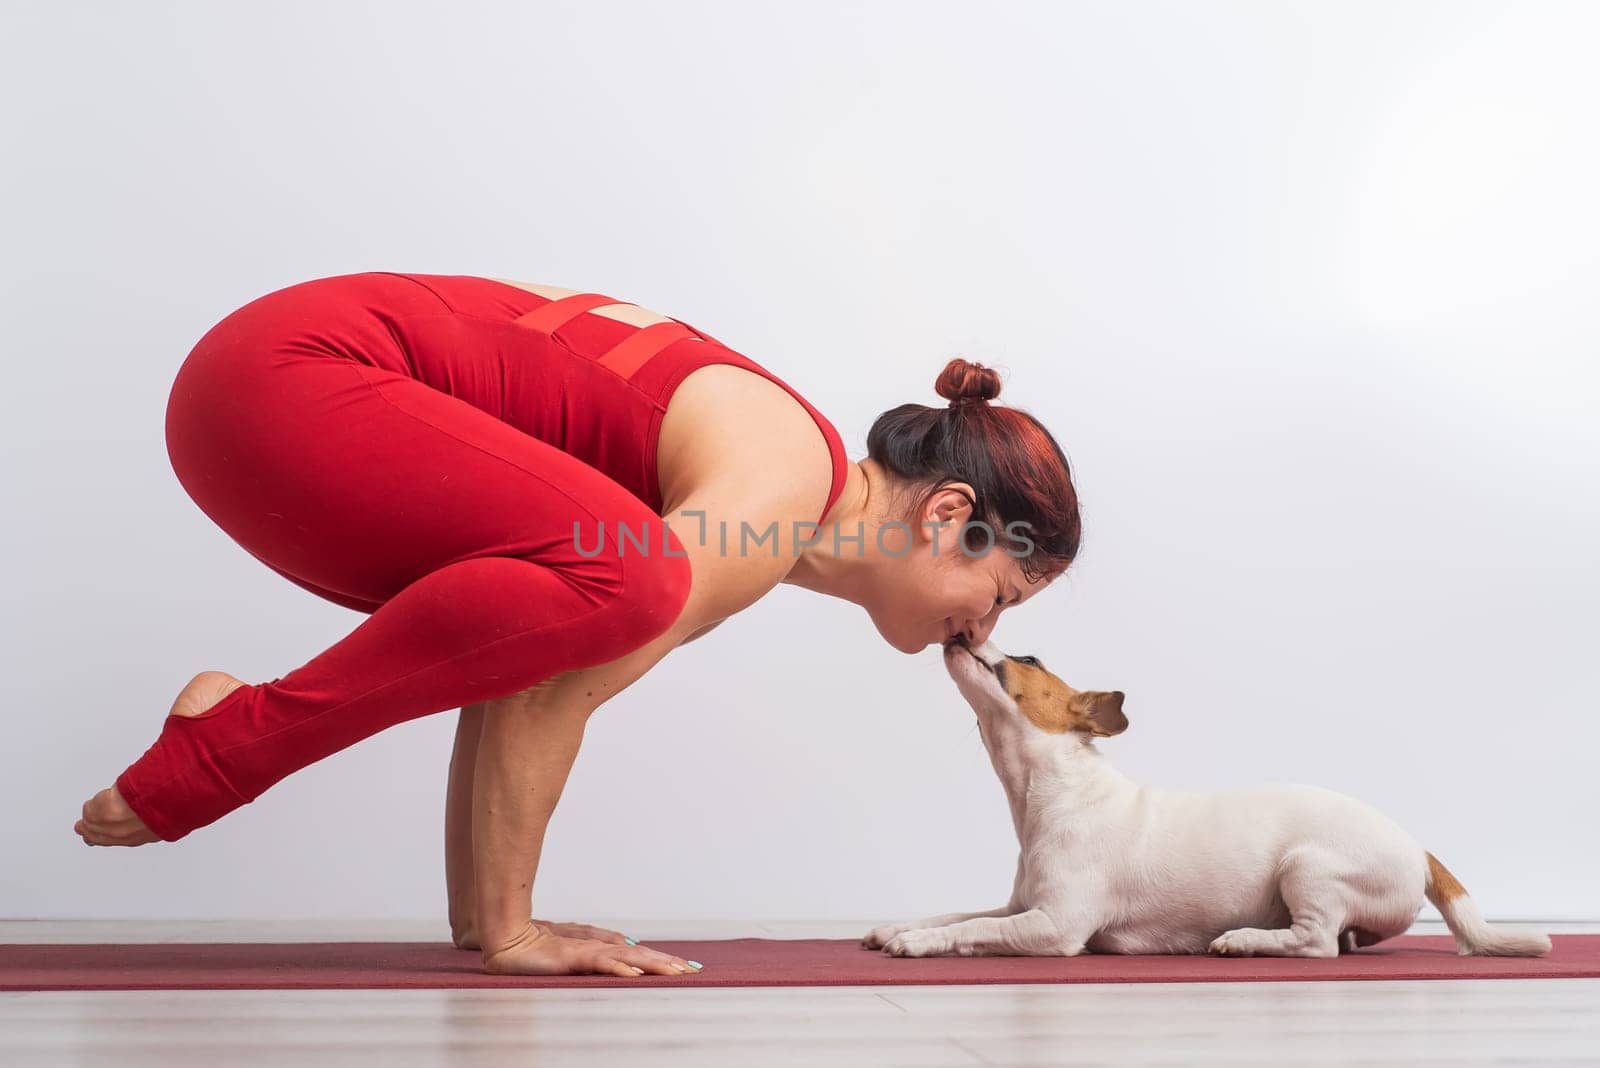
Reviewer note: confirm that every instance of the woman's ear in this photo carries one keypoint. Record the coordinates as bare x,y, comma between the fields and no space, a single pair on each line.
950,503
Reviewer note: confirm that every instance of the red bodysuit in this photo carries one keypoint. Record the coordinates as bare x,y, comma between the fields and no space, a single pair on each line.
421,448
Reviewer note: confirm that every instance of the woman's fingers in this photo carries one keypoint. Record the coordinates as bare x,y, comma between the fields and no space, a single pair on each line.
654,961
655,966
640,956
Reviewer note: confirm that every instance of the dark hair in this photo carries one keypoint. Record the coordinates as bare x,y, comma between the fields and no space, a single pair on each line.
1010,460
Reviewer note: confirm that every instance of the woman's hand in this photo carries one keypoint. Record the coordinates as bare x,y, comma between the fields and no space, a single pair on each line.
585,930
537,950
467,937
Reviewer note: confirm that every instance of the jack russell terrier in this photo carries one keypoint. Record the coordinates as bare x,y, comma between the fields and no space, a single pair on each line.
1109,866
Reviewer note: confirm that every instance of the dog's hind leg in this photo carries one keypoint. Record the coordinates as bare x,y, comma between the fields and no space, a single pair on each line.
1353,938
1313,892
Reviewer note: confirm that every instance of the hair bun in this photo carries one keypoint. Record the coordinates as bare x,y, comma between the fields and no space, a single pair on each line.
967,383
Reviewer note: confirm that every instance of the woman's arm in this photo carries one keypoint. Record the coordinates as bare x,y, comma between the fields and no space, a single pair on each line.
702,632
529,740
460,886
460,890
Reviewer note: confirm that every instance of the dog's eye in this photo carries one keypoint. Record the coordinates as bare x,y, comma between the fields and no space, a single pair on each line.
1026,660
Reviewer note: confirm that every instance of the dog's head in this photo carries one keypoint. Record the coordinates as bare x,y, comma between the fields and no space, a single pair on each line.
1021,704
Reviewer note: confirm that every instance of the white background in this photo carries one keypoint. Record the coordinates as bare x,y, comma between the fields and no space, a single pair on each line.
1305,291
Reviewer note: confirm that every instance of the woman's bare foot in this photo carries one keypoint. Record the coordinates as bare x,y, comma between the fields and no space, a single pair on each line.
107,819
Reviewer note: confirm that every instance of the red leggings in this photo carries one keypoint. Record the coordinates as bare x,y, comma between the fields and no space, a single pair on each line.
450,528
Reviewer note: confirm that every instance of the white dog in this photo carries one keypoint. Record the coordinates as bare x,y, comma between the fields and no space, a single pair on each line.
1109,866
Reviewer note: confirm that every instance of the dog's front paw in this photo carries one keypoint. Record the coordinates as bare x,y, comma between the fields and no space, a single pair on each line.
1239,943
880,935
917,942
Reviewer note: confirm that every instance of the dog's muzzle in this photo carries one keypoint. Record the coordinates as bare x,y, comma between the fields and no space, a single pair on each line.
960,643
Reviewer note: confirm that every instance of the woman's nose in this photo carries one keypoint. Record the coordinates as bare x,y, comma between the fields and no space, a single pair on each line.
977,631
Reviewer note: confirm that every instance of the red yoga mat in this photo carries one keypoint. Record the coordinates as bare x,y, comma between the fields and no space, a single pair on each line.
732,962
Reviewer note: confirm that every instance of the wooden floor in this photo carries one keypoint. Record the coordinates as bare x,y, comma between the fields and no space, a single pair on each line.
1480,1021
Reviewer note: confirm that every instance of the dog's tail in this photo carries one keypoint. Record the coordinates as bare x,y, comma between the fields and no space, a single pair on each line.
1472,934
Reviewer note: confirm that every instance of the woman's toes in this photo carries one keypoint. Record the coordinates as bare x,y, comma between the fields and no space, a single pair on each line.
108,820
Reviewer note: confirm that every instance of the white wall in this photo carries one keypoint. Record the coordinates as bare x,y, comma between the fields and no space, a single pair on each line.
1305,291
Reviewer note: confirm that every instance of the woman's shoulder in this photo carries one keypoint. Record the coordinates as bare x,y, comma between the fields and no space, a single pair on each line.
728,427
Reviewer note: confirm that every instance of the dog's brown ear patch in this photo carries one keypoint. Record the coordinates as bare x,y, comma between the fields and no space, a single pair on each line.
1036,692
1100,712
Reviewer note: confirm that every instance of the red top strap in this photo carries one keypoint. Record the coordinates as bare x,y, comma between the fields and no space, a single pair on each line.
639,347
627,355
633,352
550,317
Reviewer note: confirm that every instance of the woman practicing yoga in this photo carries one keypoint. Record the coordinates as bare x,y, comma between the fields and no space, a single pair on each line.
534,494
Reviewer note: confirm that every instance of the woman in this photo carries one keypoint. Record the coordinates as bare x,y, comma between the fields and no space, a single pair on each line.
534,494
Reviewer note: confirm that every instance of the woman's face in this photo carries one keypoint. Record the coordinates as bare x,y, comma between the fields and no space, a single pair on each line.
935,590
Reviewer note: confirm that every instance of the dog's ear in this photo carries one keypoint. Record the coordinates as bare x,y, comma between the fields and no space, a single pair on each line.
1102,713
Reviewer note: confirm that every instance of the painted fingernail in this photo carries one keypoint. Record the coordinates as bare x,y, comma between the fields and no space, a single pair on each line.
696,964
632,941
